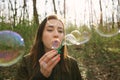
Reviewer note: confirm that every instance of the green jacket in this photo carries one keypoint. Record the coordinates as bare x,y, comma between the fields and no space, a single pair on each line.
25,71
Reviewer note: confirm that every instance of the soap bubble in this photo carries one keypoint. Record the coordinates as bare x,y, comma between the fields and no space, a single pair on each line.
55,44
108,22
70,39
11,47
78,36
107,29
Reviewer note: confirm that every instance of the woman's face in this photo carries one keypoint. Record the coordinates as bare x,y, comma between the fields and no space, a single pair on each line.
53,34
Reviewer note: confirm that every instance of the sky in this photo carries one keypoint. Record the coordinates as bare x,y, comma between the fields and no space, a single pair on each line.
77,10
74,8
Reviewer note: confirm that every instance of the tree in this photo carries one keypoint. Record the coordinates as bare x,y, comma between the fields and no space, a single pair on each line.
35,13
101,16
64,9
54,6
118,14
113,15
14,11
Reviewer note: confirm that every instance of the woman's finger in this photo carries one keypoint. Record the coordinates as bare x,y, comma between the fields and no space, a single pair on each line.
51,62
47,56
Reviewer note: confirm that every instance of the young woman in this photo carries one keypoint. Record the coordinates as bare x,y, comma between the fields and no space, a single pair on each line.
44,62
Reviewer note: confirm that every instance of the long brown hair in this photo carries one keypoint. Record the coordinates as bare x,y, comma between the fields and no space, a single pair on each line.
37,51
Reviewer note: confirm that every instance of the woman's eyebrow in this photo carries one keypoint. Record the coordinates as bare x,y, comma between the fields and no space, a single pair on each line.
52,25
60,27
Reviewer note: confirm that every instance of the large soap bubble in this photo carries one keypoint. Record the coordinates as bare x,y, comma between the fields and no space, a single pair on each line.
108,21
11,47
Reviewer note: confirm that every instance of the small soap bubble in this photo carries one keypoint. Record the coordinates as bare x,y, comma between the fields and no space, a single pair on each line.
55,44
70,40
11,47
78,37
76,34
107,30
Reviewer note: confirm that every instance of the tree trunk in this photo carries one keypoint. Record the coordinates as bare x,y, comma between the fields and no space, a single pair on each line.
35,14
113,15
64,9
118,13
14,12
24,7
54,6
101,16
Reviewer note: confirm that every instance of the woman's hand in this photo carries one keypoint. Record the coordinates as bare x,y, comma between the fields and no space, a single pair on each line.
48,61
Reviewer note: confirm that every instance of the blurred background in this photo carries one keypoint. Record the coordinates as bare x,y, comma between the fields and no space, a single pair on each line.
92,32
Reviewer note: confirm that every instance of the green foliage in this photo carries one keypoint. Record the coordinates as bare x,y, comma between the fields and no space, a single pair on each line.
98,59
26,30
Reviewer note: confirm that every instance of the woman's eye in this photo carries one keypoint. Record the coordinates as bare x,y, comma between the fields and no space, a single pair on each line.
50,30
60,31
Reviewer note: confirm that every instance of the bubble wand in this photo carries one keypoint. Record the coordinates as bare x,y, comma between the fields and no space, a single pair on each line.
54,46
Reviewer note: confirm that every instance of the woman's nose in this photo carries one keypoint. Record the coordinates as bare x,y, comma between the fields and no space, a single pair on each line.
56,34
